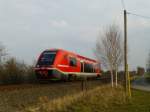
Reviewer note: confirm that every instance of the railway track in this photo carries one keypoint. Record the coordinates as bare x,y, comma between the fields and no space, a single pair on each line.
26,86
13,87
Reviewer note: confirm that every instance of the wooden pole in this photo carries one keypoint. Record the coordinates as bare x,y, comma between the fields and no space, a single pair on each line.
83,82
129,85
125,49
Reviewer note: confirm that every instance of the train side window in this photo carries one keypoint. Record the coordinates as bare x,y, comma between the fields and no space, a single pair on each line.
73,61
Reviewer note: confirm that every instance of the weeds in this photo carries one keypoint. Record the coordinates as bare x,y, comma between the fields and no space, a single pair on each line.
103,96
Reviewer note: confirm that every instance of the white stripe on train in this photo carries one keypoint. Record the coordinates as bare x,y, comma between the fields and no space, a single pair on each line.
77,73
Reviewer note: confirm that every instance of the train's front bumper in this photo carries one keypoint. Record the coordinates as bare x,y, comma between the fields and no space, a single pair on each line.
47,74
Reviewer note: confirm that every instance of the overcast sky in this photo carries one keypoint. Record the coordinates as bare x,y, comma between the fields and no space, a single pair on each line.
27,27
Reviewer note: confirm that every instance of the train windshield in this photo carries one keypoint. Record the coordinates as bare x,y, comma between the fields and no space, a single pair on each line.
47,58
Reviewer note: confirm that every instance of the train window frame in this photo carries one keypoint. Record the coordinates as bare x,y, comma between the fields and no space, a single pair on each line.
45,59
72,61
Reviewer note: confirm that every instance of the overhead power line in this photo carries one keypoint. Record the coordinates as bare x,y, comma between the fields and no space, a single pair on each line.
138,15
134,14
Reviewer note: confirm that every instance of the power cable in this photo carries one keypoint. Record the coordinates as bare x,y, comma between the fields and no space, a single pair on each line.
138,15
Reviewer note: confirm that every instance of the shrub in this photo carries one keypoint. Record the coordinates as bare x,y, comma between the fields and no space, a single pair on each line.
1,73
30,75
13,71
16,72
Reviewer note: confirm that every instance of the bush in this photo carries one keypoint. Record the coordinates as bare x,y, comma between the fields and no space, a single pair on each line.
1,73
16,72
30,75
140,71
13,71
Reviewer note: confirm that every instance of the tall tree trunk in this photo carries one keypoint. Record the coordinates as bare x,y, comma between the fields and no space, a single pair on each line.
112,79
116,79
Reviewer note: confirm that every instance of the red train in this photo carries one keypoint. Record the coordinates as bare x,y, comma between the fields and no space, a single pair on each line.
58,64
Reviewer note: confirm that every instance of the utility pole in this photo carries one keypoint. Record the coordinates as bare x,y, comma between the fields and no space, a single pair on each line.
125,49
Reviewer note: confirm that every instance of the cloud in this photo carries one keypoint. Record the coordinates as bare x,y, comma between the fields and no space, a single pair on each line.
59,23
138,23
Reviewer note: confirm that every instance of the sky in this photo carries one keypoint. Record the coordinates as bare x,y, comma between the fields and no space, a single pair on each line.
27,27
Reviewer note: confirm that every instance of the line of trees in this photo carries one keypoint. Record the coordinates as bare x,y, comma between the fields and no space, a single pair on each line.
109,51
13,71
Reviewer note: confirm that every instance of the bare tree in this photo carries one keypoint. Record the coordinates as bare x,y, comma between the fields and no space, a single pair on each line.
109,50
148,63
2,52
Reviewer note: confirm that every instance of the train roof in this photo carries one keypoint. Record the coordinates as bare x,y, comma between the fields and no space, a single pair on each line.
79,56
85,58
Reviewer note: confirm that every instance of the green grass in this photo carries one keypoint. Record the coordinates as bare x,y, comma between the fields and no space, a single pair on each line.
139,103
147,76
100,99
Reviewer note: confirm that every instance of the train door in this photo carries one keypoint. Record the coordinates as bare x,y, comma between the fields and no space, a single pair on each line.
82,66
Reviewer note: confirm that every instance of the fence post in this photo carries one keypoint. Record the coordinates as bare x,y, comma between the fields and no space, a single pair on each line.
83,83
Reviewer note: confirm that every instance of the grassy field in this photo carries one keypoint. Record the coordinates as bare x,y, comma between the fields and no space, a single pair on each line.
100,99
139,103
68,97
16,97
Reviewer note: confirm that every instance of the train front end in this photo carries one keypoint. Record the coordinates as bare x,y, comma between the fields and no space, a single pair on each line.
45,68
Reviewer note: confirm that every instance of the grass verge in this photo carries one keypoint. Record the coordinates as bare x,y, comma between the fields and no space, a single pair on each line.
100,99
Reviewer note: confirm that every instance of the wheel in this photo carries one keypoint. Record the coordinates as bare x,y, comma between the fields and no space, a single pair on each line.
64,77
71,77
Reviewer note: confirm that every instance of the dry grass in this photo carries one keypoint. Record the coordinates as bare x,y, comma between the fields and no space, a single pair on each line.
67,97
17,97
103,96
